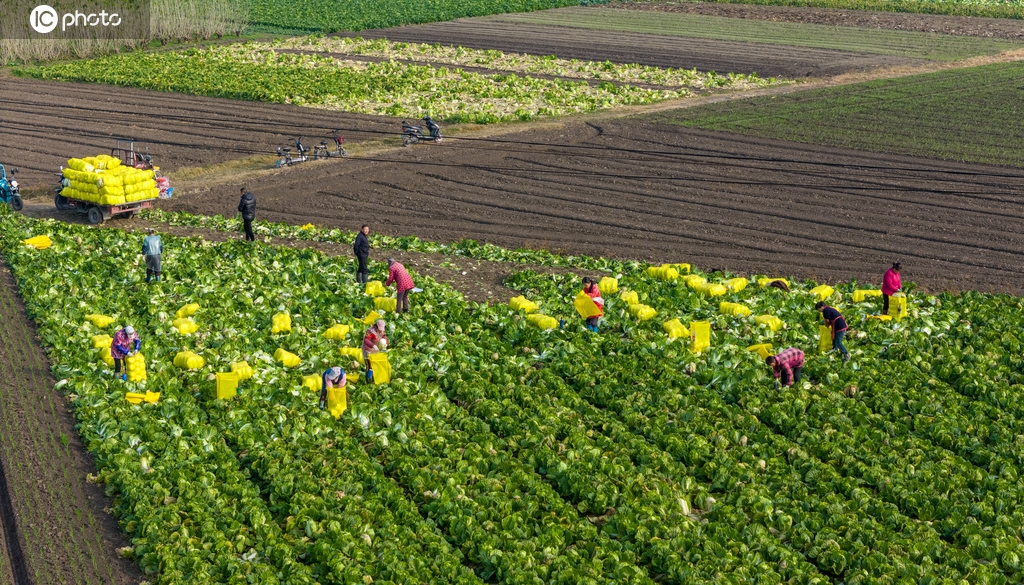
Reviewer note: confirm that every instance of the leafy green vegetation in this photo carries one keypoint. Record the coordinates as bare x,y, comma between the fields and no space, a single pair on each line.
257,72
984,8
974,115
342,15
503,453
865,40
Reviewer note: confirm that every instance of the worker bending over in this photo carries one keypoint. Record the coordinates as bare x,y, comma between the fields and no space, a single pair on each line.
788,364
332,378
591,289
375,340
403,282
126,342
837,322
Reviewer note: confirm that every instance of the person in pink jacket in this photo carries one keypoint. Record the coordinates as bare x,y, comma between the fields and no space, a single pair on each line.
403,282
891,284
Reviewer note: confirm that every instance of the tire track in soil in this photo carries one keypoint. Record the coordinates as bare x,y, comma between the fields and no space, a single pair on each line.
65,534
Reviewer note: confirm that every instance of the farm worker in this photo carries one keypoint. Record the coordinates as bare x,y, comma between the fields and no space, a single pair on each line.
332,378
891,284
591,289
247,207
151,249
362,250
375,340
403,282
126,342
837,322
788,363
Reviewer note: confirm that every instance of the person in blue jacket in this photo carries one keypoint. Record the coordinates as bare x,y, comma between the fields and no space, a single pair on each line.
837,322
332,378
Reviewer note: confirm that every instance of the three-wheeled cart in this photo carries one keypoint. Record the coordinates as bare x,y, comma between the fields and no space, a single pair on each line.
124,149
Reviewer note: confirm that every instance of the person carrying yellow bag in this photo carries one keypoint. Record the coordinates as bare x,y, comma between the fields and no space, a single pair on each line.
333,379
591,289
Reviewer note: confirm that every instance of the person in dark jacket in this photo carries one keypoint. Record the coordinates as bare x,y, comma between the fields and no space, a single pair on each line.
837,322
362,251
247,207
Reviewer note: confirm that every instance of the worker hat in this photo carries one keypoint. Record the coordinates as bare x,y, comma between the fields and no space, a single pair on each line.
129,329
379,324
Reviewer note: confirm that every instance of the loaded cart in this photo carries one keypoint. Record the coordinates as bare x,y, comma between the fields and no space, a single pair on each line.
121,183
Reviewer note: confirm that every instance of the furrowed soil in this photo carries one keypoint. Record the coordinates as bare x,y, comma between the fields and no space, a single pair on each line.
634,189
56,529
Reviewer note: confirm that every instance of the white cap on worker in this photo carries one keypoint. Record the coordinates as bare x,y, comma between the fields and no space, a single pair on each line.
129,329
380,323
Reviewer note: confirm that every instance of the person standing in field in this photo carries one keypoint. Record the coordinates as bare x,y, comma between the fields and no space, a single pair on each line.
891,284
126,342
361,248
332,378
151,250
837,322
788,364
591,289
403,282
247,207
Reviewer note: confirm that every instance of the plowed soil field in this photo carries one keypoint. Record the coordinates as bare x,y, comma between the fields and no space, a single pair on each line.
632,189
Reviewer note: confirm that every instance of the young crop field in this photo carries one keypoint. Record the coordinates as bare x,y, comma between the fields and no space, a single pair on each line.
337,15
500,452
970,115
276,73
846,38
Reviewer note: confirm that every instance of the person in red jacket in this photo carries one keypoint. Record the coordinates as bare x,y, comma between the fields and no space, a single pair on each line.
837,322
891,284
403,282
375,339
594,292
788,364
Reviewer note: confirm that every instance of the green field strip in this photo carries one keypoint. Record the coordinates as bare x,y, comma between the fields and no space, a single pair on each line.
983,8
971,115
861,40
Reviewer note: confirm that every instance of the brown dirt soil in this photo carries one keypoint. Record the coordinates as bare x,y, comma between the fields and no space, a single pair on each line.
45,123
656,50
639,189
62,529
1000,28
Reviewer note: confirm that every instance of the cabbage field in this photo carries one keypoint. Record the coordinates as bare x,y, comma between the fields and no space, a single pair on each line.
503,453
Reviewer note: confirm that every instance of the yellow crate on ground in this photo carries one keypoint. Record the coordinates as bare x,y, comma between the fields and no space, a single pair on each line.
381,368
337,332
822,291
385,304
375,288
700,335
763,349
629,296
281,323
861,295
286,358
355,353
773,322
824,339
608,285
675,329
542,321
243,370
585,306
523,304
898,306
227,385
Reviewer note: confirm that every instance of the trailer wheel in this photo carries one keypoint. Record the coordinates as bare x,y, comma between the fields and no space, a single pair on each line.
95,215
61,202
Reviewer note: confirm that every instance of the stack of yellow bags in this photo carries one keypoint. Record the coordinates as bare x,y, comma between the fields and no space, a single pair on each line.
104,180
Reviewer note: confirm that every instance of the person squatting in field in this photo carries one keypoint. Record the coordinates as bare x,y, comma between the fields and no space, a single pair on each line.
837,322
403,282
591,289
126,342
788,364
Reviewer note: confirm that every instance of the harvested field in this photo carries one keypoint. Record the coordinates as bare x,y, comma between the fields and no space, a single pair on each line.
48,122
55,527
767,60
630,189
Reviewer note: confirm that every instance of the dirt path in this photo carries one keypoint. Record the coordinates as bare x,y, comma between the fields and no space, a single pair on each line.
1001,28
60,525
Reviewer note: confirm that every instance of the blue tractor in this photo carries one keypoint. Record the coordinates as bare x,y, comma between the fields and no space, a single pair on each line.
9,190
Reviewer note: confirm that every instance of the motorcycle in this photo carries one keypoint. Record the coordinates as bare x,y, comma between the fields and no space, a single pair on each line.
9,193
413,134
322,150
286,155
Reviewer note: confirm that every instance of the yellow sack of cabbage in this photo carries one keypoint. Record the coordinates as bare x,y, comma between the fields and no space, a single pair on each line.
675,329
136,367
281,323
243,370
312,381
100,341
822,291
337,332
711,290
381,368
38,242
608,285
694,280
523,304
630,297
585,306
737,284
824,339
189,360
385,304
185,325
542,321
773,322
375,288
763,349
286,358
642,312
737,309
337,401
100,321
187,310
355,353
371,318
663,272
104,355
